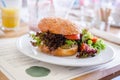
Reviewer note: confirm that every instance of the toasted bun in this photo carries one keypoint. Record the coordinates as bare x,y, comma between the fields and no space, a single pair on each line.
58,26
59,52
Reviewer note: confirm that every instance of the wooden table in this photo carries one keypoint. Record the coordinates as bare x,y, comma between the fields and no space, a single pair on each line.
102,74
22,29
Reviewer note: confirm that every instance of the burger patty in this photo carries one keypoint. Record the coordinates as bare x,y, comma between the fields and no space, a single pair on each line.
53,41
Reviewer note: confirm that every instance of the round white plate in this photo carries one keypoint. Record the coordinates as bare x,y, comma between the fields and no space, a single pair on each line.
24,46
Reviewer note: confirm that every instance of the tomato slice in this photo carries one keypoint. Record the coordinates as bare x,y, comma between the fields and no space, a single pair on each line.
73,37
83,46
94,39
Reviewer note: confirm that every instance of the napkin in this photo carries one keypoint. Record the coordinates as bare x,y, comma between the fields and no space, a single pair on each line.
106,35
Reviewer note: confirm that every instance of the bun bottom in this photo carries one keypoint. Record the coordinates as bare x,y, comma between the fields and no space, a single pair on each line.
59,52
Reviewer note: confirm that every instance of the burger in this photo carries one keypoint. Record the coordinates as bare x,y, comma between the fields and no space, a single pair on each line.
57,37
61,37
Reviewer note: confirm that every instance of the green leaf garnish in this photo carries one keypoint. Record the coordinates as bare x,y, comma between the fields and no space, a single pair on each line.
89,42
36,39
99,45
86,35
70,42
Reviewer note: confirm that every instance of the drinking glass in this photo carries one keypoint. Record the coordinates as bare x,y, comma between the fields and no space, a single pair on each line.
37,10
87,13
10,12
63,7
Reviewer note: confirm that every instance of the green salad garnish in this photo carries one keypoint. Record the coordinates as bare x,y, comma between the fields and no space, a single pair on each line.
86,35
99,45
92,41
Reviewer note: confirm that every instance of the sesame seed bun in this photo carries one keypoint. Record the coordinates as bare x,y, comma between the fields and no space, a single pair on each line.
58,26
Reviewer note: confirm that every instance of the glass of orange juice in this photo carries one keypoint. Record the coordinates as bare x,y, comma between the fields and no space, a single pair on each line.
11,14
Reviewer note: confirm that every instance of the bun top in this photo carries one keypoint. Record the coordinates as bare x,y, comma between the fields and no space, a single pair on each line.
58,26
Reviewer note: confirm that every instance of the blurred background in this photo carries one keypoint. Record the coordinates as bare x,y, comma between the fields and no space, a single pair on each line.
85,13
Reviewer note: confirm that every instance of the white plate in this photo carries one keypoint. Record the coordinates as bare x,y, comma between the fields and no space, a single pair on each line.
24,46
